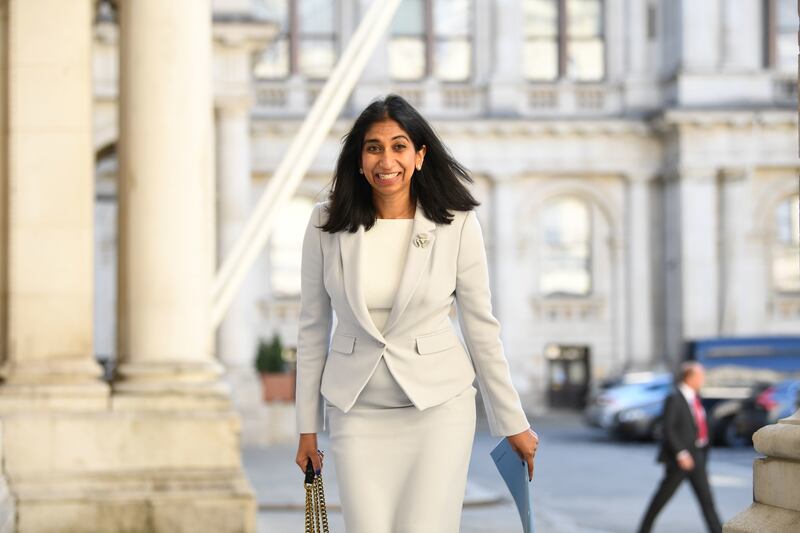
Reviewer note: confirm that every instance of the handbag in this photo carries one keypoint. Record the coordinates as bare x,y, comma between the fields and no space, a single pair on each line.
316,512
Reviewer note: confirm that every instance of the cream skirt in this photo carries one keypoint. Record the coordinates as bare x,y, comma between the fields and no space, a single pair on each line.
402,470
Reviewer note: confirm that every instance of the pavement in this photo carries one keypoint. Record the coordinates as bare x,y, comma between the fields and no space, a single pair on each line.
584,482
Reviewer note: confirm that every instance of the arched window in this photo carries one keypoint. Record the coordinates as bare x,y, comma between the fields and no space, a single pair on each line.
566,254
431,38
286,246
564,39
786,247
306,43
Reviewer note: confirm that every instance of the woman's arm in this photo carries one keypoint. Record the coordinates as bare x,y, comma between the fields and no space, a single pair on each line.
314,330
481,332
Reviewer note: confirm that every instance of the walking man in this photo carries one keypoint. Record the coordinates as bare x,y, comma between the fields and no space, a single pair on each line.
684,449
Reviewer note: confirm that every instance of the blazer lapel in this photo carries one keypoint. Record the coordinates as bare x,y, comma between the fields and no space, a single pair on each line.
350,246
416,260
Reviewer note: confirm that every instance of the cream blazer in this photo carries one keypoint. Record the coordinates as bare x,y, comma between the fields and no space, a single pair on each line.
420,344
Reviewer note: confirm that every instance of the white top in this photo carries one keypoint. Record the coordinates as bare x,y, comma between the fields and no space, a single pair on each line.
383,258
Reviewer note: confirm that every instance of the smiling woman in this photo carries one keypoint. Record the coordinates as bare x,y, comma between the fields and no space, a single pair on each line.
391,251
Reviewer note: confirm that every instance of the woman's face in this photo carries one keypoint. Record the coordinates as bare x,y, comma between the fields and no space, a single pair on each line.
388,158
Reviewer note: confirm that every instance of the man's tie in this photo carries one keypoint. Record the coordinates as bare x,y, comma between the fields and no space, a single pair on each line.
700,418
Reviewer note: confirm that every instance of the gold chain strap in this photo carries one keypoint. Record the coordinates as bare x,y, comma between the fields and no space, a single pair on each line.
316,511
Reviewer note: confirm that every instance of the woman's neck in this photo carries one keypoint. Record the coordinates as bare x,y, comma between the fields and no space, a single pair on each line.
391,208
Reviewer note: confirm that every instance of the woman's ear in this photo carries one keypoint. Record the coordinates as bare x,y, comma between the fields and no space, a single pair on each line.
421,156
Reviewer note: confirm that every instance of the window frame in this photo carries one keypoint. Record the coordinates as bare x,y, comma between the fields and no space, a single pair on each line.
294,37
775,243
430,39
562,47
771,33
588,206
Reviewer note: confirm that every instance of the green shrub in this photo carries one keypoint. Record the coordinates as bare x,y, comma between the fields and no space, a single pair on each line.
269,356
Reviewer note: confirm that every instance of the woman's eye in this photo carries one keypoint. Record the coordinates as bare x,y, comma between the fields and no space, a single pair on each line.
399,147
372,149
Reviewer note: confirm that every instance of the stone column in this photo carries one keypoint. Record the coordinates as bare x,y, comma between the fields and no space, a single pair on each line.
506,95
47,215
700,33
640,273
699,253
236,339
166,165
776,481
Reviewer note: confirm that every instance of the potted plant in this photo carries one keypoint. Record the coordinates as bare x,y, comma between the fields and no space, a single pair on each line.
277,385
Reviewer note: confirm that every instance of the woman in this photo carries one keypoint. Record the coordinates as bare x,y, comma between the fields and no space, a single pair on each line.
390,251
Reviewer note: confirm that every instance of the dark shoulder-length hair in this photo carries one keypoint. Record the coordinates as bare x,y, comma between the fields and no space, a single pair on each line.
439,187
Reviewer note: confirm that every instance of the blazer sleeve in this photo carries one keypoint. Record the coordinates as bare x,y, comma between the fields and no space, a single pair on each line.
314,330
672,427
481,332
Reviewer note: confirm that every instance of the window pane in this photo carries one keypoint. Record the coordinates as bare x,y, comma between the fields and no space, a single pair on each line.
407,58
786,247
585,60
410,18
786,16
541,18
275,10
541,60
566,248
317,57
316,16
786,52
273,62
453,60
584,18
452,17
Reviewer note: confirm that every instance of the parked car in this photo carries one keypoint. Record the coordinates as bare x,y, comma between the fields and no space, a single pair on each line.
766,405
632,407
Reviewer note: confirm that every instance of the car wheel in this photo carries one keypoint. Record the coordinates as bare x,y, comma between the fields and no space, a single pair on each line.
731,436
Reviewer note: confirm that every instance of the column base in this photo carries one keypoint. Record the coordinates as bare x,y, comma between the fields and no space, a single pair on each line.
761,518
127,471
79,371
171,385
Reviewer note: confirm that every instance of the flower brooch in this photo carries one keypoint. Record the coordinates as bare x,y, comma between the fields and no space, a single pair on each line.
421,240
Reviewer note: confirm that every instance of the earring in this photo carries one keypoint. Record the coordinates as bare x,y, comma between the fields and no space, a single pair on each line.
360,170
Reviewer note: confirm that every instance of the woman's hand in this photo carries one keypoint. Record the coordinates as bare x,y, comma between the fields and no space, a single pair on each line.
525,445
307,449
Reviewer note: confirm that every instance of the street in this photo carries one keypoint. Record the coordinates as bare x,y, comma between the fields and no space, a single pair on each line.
584,482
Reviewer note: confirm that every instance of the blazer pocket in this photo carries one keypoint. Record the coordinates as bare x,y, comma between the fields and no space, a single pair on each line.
436,342
342,343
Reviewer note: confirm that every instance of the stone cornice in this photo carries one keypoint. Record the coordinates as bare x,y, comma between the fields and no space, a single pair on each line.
725,118
484,127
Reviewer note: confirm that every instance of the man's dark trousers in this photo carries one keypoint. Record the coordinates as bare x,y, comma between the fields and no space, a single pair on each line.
673,477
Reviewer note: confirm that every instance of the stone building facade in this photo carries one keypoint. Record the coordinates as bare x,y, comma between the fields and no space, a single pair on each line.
635,160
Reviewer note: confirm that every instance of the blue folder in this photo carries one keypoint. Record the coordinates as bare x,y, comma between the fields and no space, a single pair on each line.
514,472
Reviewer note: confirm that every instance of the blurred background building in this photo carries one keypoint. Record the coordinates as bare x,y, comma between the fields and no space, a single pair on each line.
636,161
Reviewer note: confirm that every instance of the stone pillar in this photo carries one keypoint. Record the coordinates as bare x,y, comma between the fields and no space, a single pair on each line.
776,481
236,339
700,31
640,271
47,221
505,88
742,35
743,305
699,253
166,165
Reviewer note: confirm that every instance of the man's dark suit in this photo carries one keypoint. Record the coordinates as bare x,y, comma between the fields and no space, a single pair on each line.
680,433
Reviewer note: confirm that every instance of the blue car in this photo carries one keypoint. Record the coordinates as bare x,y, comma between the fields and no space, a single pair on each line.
632,407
